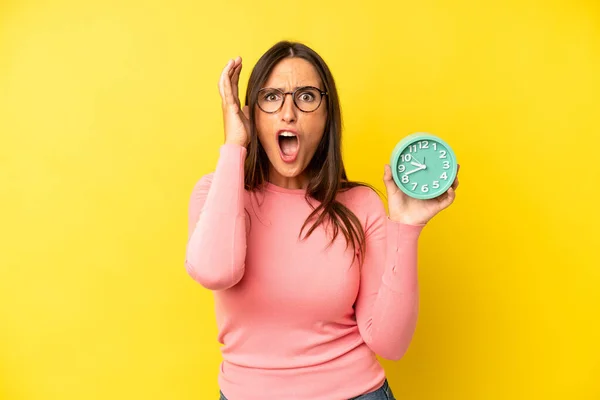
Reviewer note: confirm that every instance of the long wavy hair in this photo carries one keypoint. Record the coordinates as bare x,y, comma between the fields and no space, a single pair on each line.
327,175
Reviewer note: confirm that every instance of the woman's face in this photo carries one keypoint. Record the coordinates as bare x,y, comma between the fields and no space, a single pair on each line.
290,136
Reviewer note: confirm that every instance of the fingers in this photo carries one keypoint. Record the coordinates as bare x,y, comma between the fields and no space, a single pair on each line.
450,196
246,112
235,78
446,199
224,76
455,183
390,185
226,87
387,173
229,99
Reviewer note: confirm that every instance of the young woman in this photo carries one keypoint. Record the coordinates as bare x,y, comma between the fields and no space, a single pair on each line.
311,278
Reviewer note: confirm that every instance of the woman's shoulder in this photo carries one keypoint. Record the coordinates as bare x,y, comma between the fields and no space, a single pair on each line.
202,186
361,197
203,183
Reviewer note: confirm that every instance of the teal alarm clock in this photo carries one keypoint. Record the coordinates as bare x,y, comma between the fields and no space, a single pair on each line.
423,165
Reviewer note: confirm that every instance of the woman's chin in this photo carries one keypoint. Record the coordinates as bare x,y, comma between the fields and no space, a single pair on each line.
287,170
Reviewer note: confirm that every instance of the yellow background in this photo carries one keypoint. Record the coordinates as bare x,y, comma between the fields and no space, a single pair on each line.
109,113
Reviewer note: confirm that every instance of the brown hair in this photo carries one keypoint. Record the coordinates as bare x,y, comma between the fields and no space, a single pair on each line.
326,169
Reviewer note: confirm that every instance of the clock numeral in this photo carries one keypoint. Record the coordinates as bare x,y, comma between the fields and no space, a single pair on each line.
414,185
446,164
425,188
406,157
444,176
411,147
401,168
436,184
423,144
434,146
443,153
405,178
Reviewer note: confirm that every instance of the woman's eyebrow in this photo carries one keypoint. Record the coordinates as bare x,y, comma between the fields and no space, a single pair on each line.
297,87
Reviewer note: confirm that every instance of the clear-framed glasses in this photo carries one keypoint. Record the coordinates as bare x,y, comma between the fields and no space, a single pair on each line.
306,98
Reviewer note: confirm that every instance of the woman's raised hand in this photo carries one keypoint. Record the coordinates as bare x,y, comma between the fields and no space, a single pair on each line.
235,118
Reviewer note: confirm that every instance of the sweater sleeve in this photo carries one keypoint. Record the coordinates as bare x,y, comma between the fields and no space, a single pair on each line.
388,299
216,247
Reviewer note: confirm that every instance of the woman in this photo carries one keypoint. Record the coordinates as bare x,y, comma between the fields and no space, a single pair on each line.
311,278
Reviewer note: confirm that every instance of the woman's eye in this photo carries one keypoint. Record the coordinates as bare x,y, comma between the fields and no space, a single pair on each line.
270,96
307,97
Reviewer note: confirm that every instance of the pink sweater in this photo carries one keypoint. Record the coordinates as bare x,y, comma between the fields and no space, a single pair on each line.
298,320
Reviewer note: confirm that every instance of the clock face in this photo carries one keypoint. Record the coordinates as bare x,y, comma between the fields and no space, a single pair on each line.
423,166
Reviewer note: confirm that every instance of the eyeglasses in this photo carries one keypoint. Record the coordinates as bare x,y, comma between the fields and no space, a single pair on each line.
306,98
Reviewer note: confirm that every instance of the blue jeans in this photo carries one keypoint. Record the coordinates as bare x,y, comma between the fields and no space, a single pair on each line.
383,393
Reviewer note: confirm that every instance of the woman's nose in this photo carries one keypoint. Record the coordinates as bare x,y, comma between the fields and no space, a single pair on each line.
288,110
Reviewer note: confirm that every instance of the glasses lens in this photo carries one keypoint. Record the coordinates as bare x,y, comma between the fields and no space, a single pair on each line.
269,100
307,99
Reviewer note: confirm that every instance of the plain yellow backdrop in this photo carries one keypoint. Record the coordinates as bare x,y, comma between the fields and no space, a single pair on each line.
109,113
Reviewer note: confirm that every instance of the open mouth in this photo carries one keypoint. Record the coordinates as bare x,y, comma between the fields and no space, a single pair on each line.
288,145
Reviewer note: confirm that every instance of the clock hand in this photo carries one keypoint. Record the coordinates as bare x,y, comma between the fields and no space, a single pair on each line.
415,170
418,163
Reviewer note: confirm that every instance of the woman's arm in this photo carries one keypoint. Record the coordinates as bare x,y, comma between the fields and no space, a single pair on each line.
388,299
216,248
